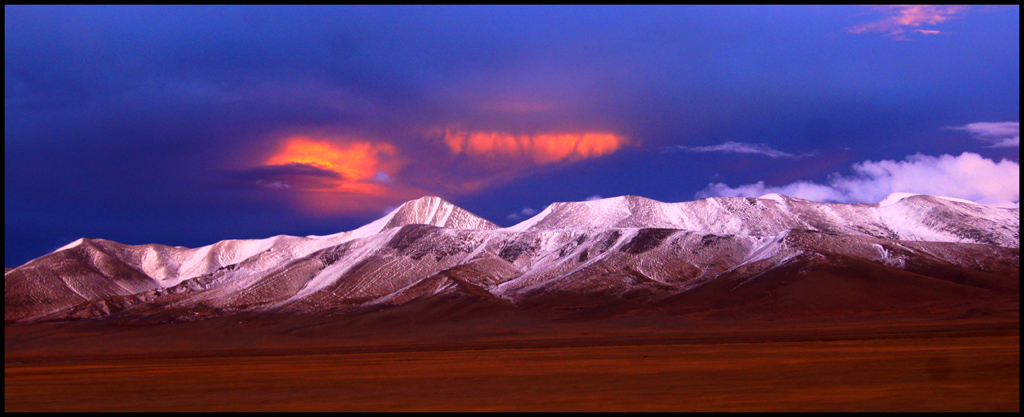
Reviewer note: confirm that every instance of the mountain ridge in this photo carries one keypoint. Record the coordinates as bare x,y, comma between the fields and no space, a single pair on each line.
620,248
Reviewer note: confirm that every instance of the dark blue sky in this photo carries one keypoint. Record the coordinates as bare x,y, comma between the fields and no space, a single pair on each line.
188,125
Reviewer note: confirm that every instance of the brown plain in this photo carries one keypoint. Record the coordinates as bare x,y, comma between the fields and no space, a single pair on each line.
841,335
516,362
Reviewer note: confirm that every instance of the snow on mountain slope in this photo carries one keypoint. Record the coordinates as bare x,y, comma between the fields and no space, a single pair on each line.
620,248
435,211
171,265
81,272
905,217
430,210
896,197
155,266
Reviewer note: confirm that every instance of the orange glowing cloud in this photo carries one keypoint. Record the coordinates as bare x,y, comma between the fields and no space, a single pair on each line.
354,161
331,176
544,148
358,167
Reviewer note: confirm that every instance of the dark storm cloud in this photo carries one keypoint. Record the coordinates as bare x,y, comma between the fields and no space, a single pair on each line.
138,112
288,176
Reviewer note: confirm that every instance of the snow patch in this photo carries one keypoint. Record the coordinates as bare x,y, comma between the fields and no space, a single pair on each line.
884,254
764,248
72,244
528,223
773,196
332,273
896,197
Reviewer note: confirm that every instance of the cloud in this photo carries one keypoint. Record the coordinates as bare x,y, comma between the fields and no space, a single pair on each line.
525,212
382,177
543,148
800,189
900,17
738,147
359,167
593,197
476,160
331,174
328,176
1000,135
273,184
968,176
352,160
287,176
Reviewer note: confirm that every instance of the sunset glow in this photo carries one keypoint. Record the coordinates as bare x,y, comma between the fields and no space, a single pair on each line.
542,148
336,176
355,161
901,17
253,121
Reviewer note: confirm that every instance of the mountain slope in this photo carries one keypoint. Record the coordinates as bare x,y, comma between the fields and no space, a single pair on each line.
91,269
629,250
911,217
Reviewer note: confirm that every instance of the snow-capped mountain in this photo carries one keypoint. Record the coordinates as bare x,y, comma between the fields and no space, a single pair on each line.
623,248
911,217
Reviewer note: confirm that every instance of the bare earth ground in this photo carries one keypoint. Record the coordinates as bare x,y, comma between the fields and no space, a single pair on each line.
645,362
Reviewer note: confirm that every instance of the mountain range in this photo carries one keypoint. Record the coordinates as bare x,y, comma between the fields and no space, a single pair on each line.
773,255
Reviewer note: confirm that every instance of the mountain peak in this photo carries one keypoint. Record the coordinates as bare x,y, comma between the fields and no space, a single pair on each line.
621,211
77,242
436,211
426,199
622,202
632,200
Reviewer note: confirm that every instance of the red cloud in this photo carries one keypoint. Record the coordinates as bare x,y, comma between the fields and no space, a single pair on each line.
545,148
354,161
484,159
339,176
332,176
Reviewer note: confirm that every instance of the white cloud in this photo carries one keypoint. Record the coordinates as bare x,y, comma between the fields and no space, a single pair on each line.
739,147
525,212
899,18
801,189
999,134
273,184
593,197
968,176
